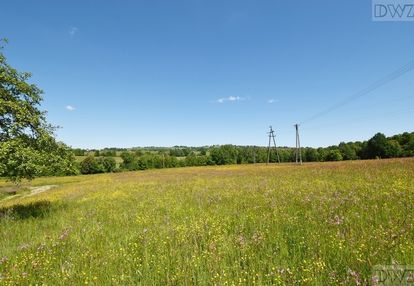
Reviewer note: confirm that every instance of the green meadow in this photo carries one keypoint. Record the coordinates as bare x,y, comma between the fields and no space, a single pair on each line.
315,224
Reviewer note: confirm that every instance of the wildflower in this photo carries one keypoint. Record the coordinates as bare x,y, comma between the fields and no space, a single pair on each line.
212,247
3,260
337,220
241,240
355,276
410,278
64,234
257,237
24,246
375,280
41,247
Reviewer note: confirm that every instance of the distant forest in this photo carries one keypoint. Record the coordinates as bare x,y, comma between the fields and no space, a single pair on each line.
118,159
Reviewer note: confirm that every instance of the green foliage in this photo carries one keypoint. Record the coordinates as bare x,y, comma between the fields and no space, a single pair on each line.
108,153
406,142
380,146
133,162
333,155
78,152
128,161
90,166
177,152
393,149
180,156
27,146
348,151
108,164
286,155
376,146
24,157
193,160
311,155
138,153
224,155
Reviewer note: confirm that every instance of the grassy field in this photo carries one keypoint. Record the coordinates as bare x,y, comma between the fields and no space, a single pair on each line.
316,224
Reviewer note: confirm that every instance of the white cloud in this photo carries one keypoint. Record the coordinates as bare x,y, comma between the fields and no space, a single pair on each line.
272,100
70,108
230,98
72,31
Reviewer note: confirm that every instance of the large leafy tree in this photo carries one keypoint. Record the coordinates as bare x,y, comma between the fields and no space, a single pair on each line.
377,146
27,145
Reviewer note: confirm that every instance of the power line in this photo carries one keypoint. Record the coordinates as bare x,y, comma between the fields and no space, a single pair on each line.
362,119
377,84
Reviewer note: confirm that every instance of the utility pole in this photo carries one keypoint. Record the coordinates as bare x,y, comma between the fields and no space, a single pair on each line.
298,153
272,136
254,155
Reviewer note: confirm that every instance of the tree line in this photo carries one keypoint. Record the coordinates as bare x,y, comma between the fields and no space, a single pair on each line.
379,146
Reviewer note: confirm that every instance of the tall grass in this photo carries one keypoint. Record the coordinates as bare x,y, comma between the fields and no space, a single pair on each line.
317,224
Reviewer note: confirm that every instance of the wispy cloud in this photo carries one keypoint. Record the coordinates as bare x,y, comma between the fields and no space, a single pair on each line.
72,31
230,99
70,108
272,100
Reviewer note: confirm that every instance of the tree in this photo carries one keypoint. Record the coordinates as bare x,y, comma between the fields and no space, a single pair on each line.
108,164
393,149
78,152
176,152
285,154
334,155
224,155
27,146
311,155
347,151
90,166
138,153
128,160
409,147
406,141
376,146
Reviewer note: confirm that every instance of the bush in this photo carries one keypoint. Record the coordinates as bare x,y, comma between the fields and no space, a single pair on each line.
224,155
90,166
107,164
334,155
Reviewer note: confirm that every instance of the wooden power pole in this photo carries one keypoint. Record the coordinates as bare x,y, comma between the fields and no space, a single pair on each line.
298,152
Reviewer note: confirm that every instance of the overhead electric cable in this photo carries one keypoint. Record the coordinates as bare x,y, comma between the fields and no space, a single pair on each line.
379,83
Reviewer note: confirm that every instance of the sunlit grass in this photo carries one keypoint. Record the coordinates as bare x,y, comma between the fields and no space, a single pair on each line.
317,224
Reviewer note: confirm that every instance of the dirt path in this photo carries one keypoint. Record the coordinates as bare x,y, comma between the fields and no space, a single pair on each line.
39,189
33,191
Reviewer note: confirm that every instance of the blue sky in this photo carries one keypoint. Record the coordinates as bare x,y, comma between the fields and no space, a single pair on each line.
164,73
